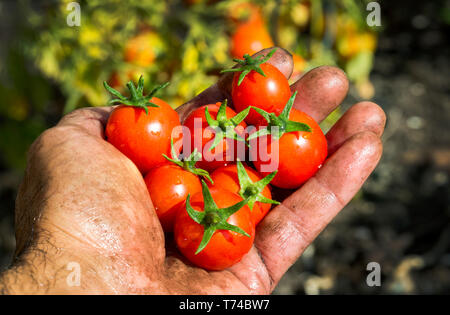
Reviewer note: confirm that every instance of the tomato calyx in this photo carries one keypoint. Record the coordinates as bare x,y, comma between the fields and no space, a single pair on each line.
252,190
225,127
249,64
188,163
213,218
136,98
279,125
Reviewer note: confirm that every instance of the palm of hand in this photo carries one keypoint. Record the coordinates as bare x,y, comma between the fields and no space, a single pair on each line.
84,201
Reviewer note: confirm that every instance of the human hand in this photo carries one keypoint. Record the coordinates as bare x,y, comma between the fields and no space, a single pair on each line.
82,201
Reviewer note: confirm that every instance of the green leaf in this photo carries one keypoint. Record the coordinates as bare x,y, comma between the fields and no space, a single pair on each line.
137,99
207,235
267,200
211,121
224,128
243,75
230,227
221,113
172,150
297,126
260,133
277,126
203,173
236,120
265,181
188,163
218,137
113,91
213,218
244,179
287,109
195,215
225,213
140,88
209,203
174,158
262,112
250,190
249,64
156,89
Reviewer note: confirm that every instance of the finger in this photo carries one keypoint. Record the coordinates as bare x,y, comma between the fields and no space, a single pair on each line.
320,91
252,271
92,119
363,116
288,229
281,59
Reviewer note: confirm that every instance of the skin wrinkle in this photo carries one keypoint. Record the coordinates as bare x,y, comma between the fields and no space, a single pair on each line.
91,120
26,237
100,183
364,116
269,276
260,278
321,201
314,101
74,236
264,279
56,161
282,232
118,261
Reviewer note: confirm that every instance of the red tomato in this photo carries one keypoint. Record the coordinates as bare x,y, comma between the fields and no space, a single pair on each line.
297,155
226,151
249,38
225,247
142,137
269,93
140,50
226,177
169,185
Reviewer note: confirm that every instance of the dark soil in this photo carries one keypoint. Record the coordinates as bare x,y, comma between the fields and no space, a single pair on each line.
400,219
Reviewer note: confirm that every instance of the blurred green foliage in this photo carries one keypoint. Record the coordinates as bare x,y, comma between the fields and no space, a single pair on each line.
50,68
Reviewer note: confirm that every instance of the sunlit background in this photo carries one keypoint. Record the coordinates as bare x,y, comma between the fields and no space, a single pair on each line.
400,218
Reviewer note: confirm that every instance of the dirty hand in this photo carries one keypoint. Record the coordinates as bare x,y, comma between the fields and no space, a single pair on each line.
84,207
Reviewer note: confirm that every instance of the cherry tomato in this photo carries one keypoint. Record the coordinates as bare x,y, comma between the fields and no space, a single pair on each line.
225,248
226,177
169,185
269,93
143,137
249,38
202,136
297,155
141,49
